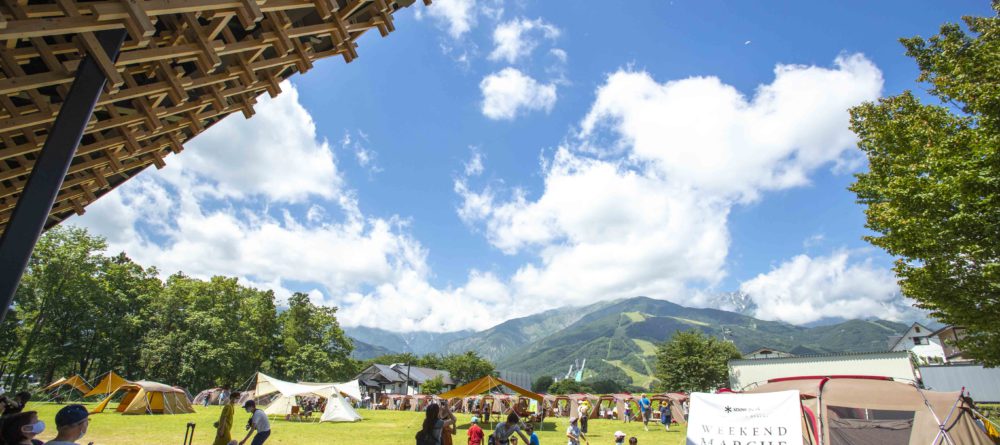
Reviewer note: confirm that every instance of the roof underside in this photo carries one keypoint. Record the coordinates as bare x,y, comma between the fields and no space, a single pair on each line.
184,66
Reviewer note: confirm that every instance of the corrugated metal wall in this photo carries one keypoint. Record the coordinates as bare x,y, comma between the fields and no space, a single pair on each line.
983,384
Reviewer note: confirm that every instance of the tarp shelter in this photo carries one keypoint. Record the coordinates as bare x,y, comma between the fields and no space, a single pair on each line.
108,384
76,382
351,389
142,397
486,384
337,409
852,409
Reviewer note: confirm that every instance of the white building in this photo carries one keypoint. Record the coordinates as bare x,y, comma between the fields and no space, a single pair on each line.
922,342
747,373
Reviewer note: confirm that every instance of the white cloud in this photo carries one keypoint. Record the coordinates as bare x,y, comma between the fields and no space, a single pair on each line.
366,157
509,93
703,133
474,167
278,156
806,289
638,203
516,38
458,16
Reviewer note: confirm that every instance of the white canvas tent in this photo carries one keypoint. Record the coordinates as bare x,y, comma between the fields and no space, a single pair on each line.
337,408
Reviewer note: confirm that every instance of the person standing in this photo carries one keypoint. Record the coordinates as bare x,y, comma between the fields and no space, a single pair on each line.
665,415
646,407
223,428
475,433
532,437
504,430
258,422
71,425
447,429
574,434
583,410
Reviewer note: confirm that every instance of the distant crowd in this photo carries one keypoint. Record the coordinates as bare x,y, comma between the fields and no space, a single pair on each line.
439,426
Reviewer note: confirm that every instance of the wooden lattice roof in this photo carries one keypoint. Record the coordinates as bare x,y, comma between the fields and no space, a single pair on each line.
185,65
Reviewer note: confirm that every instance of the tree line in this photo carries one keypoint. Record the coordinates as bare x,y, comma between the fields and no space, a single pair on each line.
80,311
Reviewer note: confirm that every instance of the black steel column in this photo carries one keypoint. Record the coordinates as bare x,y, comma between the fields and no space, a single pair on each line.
28,218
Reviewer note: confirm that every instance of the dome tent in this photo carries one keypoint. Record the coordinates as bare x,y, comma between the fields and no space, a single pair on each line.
142,397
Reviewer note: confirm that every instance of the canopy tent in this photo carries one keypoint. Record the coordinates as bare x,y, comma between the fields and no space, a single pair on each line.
76,382
337,409
351,389
841,410
142,397
108,384
486,384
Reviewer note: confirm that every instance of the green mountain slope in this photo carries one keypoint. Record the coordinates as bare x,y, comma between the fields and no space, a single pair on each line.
618,340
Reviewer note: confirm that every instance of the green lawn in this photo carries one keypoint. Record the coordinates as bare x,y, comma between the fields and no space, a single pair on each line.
379,427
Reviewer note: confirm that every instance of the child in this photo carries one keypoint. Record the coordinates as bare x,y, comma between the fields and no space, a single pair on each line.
633,440
619,438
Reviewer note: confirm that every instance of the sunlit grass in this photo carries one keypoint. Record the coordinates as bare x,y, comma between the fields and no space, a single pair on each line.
379,427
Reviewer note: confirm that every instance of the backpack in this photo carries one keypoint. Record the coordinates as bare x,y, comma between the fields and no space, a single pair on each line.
426,438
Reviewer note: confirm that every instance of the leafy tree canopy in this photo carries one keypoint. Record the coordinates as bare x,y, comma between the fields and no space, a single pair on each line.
932,192
692,361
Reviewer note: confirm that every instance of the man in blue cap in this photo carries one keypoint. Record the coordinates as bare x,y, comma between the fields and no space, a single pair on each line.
71,424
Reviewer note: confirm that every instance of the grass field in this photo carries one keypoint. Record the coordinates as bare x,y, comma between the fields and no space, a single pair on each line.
379,427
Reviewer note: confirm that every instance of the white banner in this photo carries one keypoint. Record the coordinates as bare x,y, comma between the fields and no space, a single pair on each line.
745,419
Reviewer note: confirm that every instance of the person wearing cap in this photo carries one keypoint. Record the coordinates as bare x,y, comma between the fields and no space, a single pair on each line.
71,424
258,422
574,434
619,438
223,428
475,433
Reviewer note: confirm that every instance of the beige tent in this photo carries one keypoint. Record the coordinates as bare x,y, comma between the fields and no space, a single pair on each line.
142,397
76,382
108,384
675,400
878,410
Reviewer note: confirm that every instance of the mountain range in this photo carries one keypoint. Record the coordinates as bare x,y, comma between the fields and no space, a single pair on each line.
618,338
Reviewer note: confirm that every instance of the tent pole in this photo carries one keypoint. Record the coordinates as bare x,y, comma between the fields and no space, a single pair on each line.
28,219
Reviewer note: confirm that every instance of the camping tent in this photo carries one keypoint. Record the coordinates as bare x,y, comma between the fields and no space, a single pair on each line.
337,409
675,400
213,395
76,382
108,384
142,397
861,409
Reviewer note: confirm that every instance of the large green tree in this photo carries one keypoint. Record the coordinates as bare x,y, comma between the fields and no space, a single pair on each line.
693,361
314,346
932,192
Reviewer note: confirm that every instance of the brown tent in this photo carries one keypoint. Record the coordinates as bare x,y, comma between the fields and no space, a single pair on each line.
675,400
144,397
878,410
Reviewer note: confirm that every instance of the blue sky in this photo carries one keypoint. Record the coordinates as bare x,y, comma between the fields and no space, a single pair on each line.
493,159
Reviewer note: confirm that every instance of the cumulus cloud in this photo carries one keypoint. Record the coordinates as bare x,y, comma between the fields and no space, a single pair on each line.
517,38
457,16
638,202
510,93
804,289
278,156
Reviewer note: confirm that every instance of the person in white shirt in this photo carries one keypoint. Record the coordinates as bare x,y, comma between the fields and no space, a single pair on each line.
258,422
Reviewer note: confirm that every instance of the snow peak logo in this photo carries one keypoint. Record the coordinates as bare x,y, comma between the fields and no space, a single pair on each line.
743,410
